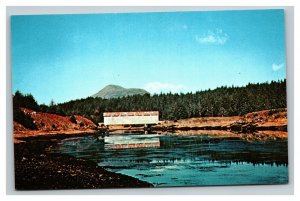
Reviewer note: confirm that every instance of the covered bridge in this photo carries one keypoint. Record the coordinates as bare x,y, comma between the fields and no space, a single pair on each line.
131,118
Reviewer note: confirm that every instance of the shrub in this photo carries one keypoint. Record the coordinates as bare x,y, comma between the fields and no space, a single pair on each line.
26,120
73,119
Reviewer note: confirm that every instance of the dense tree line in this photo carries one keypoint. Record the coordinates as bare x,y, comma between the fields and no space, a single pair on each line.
222,101
24,101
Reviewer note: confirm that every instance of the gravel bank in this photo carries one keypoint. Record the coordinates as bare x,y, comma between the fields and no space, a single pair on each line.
36,170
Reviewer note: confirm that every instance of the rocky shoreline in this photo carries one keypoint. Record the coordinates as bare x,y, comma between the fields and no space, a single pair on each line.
37,170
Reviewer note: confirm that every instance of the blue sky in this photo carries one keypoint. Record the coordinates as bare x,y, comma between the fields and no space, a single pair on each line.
65,57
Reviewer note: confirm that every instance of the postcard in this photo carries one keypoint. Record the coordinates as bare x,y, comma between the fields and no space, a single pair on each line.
148,100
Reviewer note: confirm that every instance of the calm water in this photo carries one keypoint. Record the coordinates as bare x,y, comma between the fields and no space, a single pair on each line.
171,160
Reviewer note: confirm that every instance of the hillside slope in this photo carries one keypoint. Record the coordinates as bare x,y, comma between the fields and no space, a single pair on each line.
52,123
115,91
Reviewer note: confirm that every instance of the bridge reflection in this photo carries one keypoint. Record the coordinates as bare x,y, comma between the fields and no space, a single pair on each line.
132,141
135,145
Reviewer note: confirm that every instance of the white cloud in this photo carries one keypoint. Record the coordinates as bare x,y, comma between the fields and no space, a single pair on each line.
157,87
217,37
276,67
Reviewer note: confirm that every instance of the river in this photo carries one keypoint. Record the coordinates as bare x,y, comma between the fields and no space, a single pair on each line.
189,160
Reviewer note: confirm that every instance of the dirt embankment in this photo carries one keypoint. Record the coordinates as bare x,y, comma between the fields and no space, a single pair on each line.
268,120
51,124
261,125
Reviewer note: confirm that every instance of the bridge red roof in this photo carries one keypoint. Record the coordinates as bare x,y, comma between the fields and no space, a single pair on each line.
138,113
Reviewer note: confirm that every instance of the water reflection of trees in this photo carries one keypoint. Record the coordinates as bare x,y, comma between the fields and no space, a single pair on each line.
183,149
229,151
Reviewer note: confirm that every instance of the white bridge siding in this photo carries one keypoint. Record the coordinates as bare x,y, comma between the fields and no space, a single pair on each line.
130,118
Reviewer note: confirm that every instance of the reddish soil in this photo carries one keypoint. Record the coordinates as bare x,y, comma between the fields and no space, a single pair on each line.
54,122
202,122
264,118
49,124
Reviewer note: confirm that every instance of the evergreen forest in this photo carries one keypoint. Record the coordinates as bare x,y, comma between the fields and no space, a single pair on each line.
222,101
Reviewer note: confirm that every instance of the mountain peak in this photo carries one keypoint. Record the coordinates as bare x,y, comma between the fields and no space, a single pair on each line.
113,86
116,91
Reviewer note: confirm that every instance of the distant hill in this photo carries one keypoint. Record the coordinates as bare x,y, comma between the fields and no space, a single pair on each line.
115,91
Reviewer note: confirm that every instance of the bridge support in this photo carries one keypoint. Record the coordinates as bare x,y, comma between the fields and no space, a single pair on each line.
147,128
102,132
